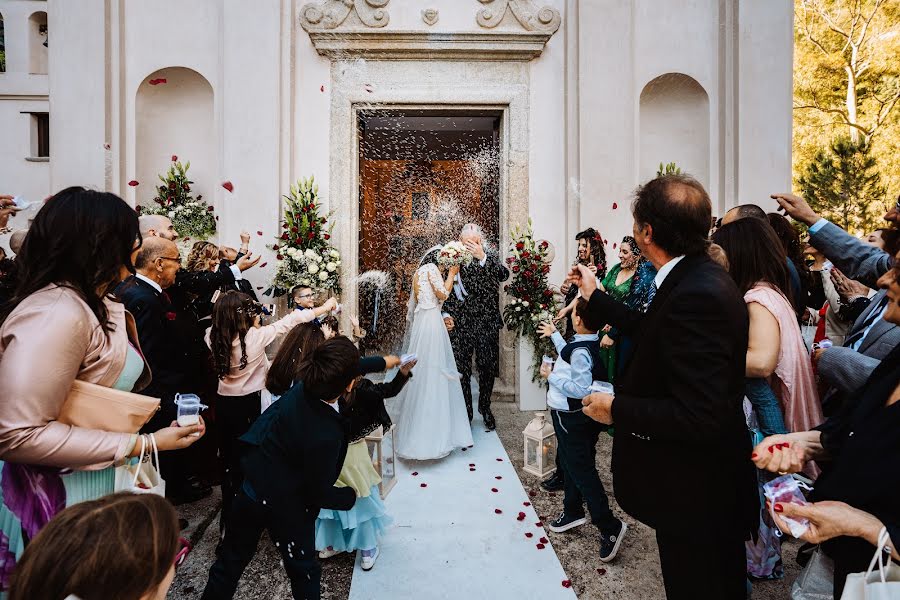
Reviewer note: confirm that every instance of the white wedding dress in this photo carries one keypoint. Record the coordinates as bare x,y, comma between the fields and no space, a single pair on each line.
430,412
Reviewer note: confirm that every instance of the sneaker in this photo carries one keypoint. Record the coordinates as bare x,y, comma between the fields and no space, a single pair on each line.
555,483
329,552
565,522
610,542
369,557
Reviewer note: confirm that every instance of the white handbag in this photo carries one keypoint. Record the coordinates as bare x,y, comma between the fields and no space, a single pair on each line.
142,477
883,584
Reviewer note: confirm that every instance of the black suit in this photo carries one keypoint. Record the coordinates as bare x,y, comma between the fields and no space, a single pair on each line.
681,454
477,327
295,453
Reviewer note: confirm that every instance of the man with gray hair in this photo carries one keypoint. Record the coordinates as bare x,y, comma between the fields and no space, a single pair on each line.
472,314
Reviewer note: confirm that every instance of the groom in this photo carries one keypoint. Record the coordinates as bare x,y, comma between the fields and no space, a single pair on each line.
472,315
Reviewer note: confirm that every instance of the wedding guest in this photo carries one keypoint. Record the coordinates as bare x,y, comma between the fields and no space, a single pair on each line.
639,297
668,420
362,527
591,254
284,371
856,495
63,324
238,341
229,257
124,546
617,284
579,364
8,208
875,238
16,239
204,256
797,269
293,459
303,297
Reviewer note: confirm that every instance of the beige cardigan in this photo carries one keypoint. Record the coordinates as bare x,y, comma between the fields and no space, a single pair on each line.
48,341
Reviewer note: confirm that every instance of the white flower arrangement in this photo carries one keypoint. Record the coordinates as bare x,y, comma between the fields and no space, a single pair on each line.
454,253
308,268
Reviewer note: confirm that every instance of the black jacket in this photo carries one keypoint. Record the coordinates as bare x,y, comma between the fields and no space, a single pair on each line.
481,306
366,410
294,454
681,453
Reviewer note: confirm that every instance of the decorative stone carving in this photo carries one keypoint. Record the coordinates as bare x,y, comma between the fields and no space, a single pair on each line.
330,14
430,16
544,20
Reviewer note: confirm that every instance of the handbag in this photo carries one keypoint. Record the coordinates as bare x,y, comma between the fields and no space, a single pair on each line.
816,581
94,406
142,477
883,584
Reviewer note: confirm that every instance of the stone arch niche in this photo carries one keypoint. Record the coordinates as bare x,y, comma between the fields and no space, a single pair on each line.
174,115
37,43
674,127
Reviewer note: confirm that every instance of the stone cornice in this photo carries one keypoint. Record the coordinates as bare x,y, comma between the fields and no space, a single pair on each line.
429,45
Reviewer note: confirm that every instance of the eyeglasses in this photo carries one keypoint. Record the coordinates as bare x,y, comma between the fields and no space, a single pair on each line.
302,296
184,548
176,259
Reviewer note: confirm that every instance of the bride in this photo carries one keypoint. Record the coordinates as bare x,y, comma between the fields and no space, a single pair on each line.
430,411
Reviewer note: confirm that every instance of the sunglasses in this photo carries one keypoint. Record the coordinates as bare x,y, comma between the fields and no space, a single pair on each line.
184,548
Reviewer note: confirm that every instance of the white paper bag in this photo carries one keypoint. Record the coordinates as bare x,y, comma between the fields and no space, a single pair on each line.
875,584
142,477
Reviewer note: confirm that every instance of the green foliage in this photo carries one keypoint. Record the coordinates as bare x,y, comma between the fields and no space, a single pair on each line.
843,184
669,169
192,218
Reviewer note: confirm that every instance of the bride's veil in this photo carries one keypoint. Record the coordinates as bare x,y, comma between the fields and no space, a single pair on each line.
411,304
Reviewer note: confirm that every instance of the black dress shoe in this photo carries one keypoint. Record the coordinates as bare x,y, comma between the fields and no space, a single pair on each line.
489,423
555,483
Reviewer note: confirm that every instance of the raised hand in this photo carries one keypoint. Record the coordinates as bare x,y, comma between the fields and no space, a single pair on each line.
546,329
248,261
796,208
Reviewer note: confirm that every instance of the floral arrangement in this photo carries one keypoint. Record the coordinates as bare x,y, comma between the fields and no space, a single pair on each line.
305,256
531,299
454,254
192,218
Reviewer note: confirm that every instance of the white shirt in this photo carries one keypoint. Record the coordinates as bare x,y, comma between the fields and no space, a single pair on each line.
664,271
150,281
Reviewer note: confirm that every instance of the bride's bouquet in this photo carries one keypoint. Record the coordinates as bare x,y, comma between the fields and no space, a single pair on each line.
454,254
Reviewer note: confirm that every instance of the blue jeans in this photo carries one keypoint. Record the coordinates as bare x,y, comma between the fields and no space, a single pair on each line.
765,405
577,435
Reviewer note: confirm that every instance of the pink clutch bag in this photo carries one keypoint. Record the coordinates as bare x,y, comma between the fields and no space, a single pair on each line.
93,406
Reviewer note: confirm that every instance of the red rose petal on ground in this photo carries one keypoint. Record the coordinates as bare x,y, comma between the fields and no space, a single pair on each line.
528,534
471,464
601,571
228,186
526,504
521,516
540,546
499,460
498,477
464,449
259,233
544,540
566,583
263,265
414,473
423,485
495,490
532,493
538,524
498,511
133,183
472,468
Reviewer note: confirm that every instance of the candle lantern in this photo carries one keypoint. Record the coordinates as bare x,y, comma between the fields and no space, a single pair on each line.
384,457
540,446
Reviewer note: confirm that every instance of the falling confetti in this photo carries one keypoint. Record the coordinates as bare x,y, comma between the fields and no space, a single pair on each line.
423,485
615,205
498,477
228,186
174,158
498,511
263,265
259,233
133,183
495,490
321,88
415,473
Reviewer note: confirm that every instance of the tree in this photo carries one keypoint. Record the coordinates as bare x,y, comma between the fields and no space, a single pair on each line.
847,79
843,184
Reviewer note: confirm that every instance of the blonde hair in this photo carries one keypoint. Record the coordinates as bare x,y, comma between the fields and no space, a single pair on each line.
203,256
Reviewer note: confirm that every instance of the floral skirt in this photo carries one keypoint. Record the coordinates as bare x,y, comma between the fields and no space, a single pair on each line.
361,527
30,496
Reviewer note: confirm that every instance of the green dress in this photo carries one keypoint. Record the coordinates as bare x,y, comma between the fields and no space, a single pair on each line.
616,292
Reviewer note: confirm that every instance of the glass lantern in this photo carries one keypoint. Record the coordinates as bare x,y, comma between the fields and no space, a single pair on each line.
384,458
540,446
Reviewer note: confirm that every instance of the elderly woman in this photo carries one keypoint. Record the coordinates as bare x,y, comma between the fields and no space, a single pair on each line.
857,493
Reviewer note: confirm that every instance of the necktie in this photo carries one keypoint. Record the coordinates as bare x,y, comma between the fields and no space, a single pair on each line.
864,328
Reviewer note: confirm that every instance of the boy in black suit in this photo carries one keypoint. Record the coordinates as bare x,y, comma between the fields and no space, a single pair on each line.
296,449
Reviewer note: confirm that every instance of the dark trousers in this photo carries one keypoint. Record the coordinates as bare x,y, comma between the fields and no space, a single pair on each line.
577,435
234,417
484,345
291,527
174,466
721,558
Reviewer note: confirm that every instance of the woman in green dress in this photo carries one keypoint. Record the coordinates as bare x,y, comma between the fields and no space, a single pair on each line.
617,284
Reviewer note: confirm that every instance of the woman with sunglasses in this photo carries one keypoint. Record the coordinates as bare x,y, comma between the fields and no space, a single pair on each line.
63,324
124,546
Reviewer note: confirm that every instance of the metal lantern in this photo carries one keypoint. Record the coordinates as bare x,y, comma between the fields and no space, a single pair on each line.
540,446
384,457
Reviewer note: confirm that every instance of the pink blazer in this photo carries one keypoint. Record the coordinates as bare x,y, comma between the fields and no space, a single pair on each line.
48,341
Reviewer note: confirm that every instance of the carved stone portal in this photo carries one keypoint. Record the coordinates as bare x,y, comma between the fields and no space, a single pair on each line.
430,16
330,14
544,20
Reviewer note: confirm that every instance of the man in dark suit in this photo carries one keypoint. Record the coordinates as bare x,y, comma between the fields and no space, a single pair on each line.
472,314
681,454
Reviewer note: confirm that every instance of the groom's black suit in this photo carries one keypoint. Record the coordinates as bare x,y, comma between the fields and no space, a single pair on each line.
477,324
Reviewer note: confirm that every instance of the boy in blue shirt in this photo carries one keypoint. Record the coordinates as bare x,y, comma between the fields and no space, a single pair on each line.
570,380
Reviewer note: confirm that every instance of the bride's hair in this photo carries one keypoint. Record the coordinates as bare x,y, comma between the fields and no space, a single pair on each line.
431,257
